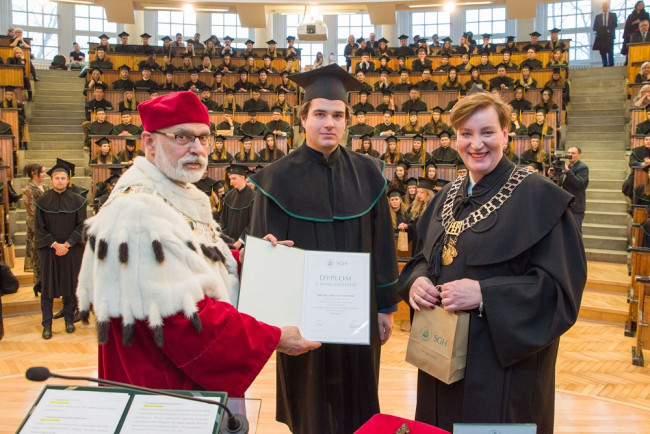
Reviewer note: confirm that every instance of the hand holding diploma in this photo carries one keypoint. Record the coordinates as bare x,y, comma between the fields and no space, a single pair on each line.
292,342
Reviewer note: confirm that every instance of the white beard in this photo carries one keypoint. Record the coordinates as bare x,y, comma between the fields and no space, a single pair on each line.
178,173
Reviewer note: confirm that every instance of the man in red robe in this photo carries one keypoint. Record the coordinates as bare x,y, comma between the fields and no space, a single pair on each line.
160,275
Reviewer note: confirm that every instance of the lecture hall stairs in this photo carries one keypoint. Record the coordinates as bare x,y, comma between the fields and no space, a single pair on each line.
55,131
597,124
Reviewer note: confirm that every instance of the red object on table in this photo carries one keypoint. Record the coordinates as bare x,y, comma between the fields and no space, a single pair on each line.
387,424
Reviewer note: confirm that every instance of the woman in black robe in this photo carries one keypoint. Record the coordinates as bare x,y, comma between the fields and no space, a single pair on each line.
519,272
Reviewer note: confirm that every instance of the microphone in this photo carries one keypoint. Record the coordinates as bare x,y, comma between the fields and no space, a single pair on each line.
236,424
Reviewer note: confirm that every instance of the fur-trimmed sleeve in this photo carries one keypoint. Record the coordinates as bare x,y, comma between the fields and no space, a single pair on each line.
143,262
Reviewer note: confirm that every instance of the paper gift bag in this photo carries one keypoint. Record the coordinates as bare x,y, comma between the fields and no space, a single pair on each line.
438,343
403,241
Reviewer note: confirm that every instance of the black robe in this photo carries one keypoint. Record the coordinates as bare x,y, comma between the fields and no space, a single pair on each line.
59,217
532,287
332,389
253,129
446,155
236,214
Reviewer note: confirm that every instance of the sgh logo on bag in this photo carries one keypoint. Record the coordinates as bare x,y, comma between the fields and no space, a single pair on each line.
426,335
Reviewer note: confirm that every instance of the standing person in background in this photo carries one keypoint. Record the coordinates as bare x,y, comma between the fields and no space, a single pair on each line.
349,50
35,189
632,25
575,180
58,223
605,28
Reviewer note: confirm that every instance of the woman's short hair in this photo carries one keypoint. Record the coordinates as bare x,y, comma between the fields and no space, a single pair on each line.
644,64
469,105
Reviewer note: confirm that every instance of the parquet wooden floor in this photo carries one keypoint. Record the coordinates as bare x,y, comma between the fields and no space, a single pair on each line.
598,389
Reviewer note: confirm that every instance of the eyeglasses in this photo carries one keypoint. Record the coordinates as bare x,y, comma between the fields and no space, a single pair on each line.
182,139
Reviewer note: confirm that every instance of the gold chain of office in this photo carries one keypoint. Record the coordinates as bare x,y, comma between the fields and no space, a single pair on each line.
453,228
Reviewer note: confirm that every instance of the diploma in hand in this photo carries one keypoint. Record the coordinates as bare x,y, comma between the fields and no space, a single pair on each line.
325,294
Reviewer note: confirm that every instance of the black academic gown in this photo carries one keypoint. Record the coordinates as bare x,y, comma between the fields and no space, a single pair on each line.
236,214
532,287
59,217
206,185
332,389
446,155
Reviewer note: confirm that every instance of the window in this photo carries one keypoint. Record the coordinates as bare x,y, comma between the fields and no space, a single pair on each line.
40,23
229,25
308,49
622,9
172,22
574,18
487,20
90,22
430,23
358,25
29,13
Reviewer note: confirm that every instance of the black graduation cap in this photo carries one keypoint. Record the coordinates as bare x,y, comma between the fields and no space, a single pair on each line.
486,35
279,91
291,38
474,68
413,113
261,70
401,57
129,142
485,53
145,68
362,91
267,56
383,71
506,50
447,39
422,49
391,139
403,163
418,137
102,86
205,88
389,111
540,109
412,181
444,133
519,86
510,39
13,89
145,35
228,38
246,138
555,30
360,40
525,66
96,69
536,165
255,88
453,68
556,71
426,183
384,56
123,34
248,56
127,67
438,109
395,192
277,109
271,42
461,166
252,113
416,37
403,37
387,92
536,33
535,136
366,137
560,49
443,55
219,138
414,86
123,112
383,40
191,70
363,112
166,38
62,166
100,48
501,65
205,55
102,140
329,82
114,176
249,42
239,169
230,91
103,36
422,40
186,56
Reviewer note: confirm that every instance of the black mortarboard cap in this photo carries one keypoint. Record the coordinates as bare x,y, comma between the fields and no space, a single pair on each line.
249,42
556,71
366,137
239,169
438,109
362,91
329,82
165,38
103,36
102,140
383,40
501,65
413,112
248,56
291,38
474,68
252,113
129,142
536,33
445,55
114,176
192,70
271,42
510,39
426,183
100,48
277,109
418,137
219,138
255,88
13,89
387,92
360,40
535,136
414,86
389,111
461,166
186,56
422,40
394,192
145,35
555,30
403,37
363,112
447,39
228,38
453,68
383,71
123,112
123,34
486,35
404,164
246,138
62,166
391,139
145,68
444,133
537,165
412,181
127,67
384,56
267,56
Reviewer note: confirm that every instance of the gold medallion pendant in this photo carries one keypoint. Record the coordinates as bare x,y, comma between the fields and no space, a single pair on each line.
449,251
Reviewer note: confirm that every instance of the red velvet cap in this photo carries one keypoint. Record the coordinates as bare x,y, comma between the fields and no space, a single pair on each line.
387,424
172,109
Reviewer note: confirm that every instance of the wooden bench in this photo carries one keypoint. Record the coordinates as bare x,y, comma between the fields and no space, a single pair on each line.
216,118
10,116
637,54
6,52
12,75
643,319
7,153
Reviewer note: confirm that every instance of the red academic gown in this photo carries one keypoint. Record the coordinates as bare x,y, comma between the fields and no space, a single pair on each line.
226,356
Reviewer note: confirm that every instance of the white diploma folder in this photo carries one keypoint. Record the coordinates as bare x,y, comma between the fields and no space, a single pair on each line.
325,294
